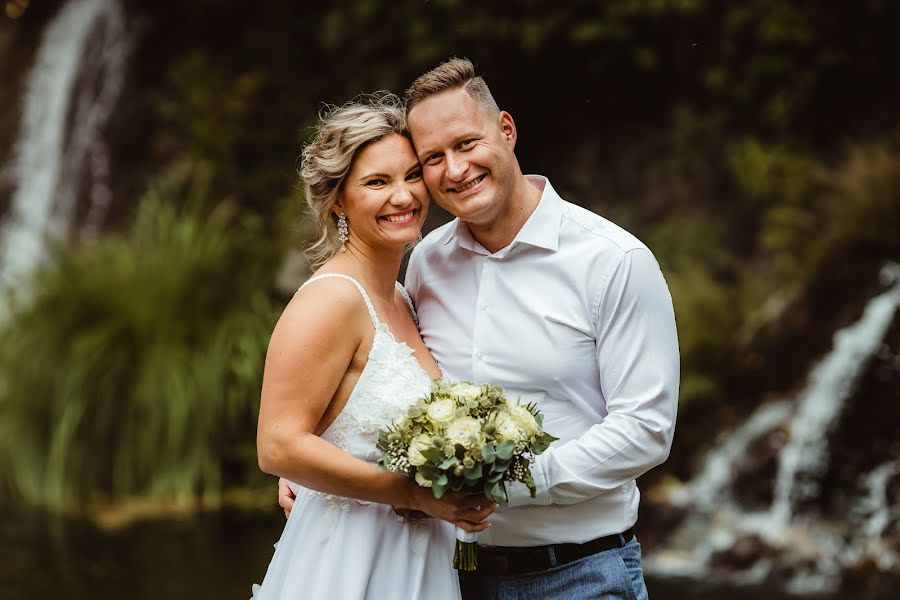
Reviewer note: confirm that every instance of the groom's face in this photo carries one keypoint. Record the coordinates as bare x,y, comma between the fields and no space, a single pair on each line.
466,155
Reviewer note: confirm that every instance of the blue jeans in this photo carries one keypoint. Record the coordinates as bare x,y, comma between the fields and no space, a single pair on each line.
607,575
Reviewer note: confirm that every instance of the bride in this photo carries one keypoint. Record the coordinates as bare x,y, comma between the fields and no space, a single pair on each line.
344,360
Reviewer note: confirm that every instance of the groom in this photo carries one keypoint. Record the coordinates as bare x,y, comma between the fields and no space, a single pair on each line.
560,307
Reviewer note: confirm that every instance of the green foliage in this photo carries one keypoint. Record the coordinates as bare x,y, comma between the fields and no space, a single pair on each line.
208,106
862,203
762,171
707,319
134,365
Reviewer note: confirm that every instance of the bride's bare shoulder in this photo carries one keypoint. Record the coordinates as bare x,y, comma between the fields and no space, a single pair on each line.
329,287
322,308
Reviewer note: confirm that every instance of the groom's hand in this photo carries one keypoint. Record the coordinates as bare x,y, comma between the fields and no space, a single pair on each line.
285,497
465,510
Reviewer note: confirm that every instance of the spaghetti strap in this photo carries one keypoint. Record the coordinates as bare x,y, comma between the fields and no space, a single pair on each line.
358,285
406,297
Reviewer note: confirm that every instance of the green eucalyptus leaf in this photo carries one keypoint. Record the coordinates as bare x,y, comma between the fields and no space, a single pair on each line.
505,450
488,453
433,455
429,472
440,485
473,474
495,492
500,466
449,463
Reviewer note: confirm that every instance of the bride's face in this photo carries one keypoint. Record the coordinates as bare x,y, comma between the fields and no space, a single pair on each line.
383,195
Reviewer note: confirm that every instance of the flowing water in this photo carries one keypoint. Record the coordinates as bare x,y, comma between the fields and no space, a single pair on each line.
809,554
61,162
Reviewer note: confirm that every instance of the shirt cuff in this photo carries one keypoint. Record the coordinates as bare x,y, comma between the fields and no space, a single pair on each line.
517,493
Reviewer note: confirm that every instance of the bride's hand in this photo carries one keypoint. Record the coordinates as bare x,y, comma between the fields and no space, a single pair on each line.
465,510
285,497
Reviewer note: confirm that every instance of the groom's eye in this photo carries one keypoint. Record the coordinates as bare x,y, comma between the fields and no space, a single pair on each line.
466,143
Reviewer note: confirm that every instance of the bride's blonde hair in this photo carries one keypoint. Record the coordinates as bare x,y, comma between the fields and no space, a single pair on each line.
341,134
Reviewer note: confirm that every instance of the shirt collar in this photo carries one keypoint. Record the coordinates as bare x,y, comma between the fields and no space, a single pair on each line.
541,229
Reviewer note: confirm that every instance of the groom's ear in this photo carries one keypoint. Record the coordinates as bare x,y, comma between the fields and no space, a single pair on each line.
508,129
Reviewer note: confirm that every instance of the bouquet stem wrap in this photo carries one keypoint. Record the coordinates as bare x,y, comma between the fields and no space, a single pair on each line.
465,558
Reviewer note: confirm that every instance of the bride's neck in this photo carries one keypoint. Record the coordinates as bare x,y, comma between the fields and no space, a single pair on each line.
376,268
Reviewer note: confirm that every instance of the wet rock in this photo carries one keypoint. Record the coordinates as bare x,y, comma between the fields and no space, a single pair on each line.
742,555
657,519
866,580
754,475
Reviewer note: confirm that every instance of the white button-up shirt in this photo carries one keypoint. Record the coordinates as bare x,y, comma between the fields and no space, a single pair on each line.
574,315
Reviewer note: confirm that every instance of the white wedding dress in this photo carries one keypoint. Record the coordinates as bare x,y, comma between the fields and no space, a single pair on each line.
346,549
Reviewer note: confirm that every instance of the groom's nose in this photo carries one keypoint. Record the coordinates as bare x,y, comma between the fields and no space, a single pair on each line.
456,166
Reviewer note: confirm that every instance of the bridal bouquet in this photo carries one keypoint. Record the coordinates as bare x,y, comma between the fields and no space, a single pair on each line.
465,437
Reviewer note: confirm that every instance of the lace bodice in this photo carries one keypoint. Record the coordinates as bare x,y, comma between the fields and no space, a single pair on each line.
390,382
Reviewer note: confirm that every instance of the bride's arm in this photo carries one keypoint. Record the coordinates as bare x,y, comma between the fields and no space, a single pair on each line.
310,351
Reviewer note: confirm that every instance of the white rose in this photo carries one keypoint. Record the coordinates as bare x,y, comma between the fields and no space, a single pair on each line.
441,411
524,419
419,444
466,391
465,431
507,428
422,481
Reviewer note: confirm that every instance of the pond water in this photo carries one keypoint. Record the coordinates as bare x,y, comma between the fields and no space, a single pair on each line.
215,555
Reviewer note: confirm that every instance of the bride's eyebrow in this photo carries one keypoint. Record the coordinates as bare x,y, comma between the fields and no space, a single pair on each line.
372,175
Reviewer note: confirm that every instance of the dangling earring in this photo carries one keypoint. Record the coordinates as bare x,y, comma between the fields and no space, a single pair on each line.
342,231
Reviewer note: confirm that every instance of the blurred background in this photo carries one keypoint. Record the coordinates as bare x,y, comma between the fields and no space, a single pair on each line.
151,222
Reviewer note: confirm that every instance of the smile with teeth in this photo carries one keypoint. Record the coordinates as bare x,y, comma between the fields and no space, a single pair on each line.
469,185
402,217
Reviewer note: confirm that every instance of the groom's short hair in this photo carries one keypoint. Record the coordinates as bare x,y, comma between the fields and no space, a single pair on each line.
450,75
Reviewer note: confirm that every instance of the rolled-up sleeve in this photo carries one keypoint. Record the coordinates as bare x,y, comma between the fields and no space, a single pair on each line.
637,357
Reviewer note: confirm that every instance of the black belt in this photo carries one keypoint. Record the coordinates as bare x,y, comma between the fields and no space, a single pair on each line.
503,560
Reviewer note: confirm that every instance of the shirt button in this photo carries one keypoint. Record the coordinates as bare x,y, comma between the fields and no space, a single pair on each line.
484,307
479,356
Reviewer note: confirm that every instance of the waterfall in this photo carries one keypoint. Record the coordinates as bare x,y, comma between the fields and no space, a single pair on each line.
61,155
830,384
710,487
716,523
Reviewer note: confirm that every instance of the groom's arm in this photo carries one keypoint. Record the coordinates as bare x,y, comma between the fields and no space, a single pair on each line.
637,355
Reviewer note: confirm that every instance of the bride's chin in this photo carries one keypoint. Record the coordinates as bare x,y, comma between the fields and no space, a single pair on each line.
400,243
407,237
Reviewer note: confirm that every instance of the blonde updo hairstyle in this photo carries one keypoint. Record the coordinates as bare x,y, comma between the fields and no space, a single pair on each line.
340,136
